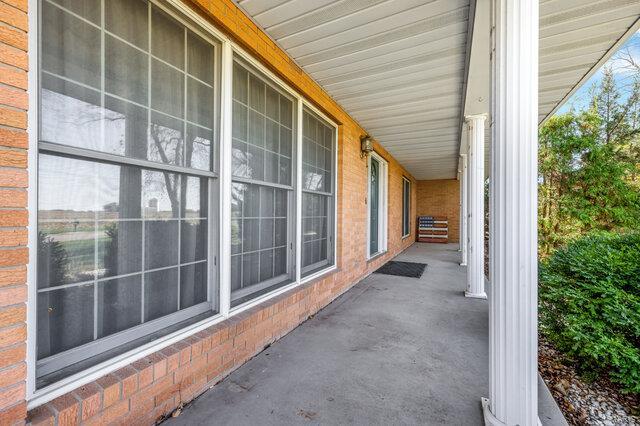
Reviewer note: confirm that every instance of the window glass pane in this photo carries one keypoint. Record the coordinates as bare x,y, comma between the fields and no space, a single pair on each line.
161,243
119,304
200,56
193,240
70,114
316,154
259,235
406,207
125,131
167,89
126,71
128,19
165,139
167,38
199,141
65,319
70,46
193,284
160,293
200,105
88,9
317,201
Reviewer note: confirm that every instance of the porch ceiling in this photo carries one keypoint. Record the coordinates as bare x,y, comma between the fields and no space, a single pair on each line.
398,66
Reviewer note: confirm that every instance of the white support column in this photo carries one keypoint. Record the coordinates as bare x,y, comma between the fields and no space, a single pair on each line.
513,392
464,199
475,270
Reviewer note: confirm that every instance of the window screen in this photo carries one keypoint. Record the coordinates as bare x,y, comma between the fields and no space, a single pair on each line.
125,173
406,207
317,193
262,193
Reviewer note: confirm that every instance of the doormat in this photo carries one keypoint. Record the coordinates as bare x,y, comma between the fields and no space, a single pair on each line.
403,269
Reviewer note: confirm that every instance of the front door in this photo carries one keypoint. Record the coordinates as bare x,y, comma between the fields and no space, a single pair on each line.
374,197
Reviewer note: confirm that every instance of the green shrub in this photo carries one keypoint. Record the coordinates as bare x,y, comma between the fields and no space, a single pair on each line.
590,306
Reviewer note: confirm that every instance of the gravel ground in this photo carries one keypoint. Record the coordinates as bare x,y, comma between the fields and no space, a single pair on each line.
582,403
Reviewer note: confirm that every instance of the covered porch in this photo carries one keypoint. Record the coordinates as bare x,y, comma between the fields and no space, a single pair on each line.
391,350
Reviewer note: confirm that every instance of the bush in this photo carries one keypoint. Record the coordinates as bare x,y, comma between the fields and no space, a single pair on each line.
590,306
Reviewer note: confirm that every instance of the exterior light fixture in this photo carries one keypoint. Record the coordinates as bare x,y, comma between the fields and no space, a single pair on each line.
366,145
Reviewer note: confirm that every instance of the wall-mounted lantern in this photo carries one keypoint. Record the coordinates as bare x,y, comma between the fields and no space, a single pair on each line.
366,145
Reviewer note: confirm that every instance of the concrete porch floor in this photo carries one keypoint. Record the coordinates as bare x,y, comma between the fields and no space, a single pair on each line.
391,350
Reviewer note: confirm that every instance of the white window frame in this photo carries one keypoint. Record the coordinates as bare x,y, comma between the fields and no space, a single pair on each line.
383,206
408,206
229,48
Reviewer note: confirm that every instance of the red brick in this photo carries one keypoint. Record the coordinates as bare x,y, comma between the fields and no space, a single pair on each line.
145,372
12,276
129,378
12,335
41,416
13,375
13,76
13,198
111,414
440,198
18,4
15,178
110,389
66,408
9,415
13,237
185,352
13,315
159,365
13,36
173,358
12,137
14,57
12,355
13,118
90,397
12,395
13,97
13,158
13,257
12,295
12,16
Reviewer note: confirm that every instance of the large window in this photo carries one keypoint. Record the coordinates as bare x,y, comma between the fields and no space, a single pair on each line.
126,172
129,182
317,193
406,207
262,193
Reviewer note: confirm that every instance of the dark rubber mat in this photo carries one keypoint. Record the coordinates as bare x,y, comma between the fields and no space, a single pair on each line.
403,269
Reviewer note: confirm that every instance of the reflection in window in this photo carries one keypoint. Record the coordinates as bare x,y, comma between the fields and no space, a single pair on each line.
317,193
167,104
119,229
122,240
262,191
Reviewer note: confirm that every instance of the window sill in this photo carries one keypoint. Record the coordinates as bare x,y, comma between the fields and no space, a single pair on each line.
375,256
404,237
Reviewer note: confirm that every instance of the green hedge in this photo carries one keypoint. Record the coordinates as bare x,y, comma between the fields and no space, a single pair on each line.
590,306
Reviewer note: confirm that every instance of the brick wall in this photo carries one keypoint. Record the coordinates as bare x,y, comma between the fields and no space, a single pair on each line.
13,203
152,387
441,198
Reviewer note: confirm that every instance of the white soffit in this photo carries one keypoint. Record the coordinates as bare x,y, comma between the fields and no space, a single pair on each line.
396,66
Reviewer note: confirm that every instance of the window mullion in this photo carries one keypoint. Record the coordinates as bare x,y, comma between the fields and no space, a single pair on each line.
298,163
225,178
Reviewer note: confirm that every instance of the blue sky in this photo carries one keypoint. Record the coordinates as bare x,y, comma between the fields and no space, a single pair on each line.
623,75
